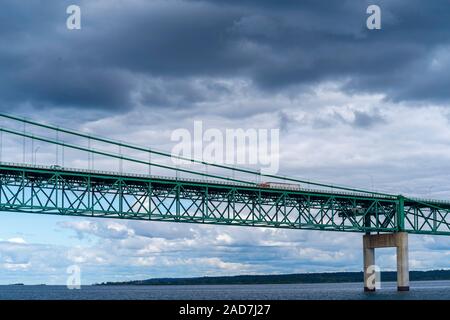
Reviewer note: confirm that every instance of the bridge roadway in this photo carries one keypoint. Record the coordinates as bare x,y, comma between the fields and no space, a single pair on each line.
70,191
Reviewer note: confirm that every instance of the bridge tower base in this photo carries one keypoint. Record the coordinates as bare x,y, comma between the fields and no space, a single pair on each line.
398,240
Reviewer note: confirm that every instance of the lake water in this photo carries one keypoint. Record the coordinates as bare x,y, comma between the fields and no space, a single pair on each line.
421,290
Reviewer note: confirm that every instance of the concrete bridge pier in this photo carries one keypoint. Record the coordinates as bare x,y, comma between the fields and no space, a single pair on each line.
398,240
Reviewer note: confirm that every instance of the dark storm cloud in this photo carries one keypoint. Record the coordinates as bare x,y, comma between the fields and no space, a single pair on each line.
178,93
42,65
150,52
366,120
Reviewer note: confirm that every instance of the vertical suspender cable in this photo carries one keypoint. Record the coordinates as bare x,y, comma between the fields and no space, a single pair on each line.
57,147
89,154
149,163
1,146
32,151
120,160
23,145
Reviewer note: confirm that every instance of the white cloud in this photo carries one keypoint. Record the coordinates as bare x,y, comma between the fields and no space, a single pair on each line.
16,266
17,240
224,238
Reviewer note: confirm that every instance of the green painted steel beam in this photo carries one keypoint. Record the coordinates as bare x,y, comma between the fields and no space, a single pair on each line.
61,192
401,213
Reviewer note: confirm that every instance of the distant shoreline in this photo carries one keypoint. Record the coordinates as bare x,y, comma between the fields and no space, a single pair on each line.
327,277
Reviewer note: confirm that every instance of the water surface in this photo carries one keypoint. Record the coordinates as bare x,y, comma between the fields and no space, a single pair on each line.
420,290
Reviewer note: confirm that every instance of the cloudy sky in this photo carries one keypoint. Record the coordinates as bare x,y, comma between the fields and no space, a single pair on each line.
358,107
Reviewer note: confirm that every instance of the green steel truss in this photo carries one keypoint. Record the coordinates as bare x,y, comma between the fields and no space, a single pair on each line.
225,200
94,194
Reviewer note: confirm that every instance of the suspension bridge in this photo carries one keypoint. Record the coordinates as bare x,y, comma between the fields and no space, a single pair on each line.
217,194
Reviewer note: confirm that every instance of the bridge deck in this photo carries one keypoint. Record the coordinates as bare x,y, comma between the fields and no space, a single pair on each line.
93,193
98,175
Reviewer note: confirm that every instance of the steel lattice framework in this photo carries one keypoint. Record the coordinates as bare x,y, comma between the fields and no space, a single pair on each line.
71,192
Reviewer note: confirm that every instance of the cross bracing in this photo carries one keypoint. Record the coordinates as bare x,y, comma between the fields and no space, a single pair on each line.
209,198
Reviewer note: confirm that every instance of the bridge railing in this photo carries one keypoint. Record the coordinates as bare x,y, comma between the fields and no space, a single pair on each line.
203,181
